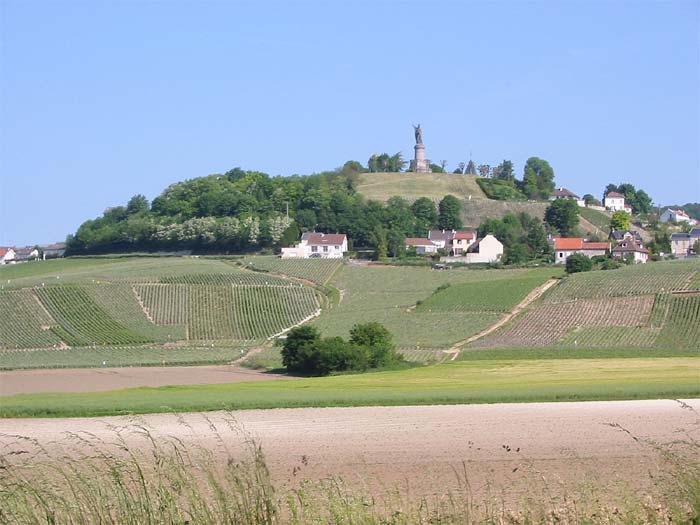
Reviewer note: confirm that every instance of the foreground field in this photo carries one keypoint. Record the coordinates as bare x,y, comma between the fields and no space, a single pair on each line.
459,382
501,462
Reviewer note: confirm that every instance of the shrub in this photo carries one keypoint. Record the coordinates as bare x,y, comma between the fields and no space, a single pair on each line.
578,263
376,339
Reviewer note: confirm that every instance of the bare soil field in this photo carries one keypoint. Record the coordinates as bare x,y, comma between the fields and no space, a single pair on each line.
510,450
105,379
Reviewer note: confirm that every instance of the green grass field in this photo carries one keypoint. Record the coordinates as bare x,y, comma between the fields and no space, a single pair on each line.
411,186
599,219
459,382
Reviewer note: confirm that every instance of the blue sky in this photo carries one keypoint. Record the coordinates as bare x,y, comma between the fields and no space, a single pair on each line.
103,100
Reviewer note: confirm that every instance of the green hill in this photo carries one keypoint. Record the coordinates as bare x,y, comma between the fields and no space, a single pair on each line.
410,186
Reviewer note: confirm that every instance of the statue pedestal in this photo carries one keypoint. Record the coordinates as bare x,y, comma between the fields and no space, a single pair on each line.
420,164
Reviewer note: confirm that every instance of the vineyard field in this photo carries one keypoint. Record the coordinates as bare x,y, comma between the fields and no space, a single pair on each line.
627,281
492,296
237,278
24,323
550,322
81,321
388,295
318,271
111,356
166,304
120,302
681,328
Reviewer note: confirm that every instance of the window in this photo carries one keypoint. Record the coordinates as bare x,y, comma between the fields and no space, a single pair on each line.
314,249
337,248
325,248
561,254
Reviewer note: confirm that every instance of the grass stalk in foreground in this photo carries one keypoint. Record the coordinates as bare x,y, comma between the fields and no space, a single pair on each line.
162,480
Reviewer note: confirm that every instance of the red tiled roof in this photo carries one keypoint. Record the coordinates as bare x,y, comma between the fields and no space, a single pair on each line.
563,192
326,238
577,243
3,251
630,245
417,241
465,235
614,194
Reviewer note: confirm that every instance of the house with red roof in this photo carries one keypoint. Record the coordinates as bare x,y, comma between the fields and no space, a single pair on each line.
563,193
456,242
565,246
318,245
7,255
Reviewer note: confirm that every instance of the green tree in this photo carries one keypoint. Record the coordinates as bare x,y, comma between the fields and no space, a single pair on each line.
425,216
590,200
298,350
353,166
577,262
538,178
504,171
620,221
380,241
484,170
562,215
377,339
449,213
136,204
436,168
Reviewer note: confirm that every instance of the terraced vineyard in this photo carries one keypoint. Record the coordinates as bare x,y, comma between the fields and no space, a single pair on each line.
81,322
238,278
24,323
550,322
681,327
630,280
317,270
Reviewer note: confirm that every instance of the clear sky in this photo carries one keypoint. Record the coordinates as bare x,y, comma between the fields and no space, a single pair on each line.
103,100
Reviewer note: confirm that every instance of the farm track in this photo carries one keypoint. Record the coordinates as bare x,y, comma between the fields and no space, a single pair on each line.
508,450
534,294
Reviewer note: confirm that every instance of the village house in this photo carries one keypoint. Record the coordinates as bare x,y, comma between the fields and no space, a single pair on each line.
422,246
677,216
631,247
486,250
318,245
26,253
456,242
565,246
683,244
620,235
614,201
7,255
52,251
563,193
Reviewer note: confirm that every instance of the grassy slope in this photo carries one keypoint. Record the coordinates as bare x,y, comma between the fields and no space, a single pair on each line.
462,382
382,186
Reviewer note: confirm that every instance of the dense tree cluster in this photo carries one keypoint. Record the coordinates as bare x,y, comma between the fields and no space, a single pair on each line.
562,216
370,346
248,210
523,237
537,182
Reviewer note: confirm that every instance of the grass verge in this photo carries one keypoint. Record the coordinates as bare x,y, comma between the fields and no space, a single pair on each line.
495,381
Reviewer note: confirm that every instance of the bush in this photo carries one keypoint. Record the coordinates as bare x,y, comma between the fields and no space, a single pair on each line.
578,263
500,189
370,346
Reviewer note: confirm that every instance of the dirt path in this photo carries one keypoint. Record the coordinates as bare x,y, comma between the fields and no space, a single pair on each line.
524,449
534,294
104,379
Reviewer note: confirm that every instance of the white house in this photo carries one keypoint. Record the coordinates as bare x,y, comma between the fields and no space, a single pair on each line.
676,216
26,253
318,245
614,201
454,241
631,247
486,250
422,246
51,251
563,193
7,255
565,246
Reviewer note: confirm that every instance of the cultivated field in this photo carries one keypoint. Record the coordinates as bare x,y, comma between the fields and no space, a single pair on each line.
318,271
171,309
633,307
389,295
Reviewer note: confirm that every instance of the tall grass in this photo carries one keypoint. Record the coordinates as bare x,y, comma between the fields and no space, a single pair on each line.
166,481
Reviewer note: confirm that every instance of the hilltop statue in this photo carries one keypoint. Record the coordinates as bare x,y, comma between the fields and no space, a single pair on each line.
419,164
419,134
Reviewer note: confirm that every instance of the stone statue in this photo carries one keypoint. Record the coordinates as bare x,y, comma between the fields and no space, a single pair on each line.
419,134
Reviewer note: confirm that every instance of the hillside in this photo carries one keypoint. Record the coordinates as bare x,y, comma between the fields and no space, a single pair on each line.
410,186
